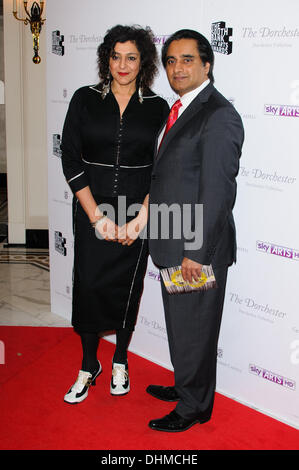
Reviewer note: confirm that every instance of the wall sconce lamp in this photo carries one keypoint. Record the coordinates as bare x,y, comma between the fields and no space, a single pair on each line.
34,18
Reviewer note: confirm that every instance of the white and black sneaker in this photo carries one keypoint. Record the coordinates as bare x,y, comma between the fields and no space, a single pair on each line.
79,391
120,382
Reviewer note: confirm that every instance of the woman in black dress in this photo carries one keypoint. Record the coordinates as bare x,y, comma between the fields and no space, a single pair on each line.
107,150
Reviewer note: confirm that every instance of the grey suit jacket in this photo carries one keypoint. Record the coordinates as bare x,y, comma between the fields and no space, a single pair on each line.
197,164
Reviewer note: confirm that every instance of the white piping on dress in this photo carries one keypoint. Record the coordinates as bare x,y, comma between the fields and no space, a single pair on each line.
94,163
74,177
94,89
111,166
144,97
132,284
140,166
74,230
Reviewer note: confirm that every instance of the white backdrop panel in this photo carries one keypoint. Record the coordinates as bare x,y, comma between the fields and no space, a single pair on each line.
258,356
260,315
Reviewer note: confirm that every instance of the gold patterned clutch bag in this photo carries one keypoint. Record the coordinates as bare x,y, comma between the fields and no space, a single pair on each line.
175,284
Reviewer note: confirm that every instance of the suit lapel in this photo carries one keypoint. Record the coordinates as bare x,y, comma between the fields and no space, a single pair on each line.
194,107
157,138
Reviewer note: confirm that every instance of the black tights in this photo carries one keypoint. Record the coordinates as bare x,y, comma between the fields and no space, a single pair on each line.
90,343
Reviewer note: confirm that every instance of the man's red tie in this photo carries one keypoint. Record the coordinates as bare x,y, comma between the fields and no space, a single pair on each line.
173,115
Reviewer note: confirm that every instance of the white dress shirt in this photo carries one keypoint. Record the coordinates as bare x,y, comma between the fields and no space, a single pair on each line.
186,100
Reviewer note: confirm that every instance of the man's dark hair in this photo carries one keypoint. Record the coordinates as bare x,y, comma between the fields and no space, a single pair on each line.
204,47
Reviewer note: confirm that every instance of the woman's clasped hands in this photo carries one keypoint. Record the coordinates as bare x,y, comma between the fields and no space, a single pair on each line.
125,235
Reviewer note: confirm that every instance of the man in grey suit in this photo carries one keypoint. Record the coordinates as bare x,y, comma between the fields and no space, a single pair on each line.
196,163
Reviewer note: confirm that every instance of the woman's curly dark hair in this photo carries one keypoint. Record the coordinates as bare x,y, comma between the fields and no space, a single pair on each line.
144,40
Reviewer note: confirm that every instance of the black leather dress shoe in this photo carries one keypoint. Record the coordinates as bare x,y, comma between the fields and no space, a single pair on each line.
163,393
174,423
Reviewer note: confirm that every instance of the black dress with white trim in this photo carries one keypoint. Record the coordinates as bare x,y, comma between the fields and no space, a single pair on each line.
113,156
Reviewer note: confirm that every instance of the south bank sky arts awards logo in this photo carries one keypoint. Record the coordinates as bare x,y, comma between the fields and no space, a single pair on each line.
56,145
221,38
57,43
59,243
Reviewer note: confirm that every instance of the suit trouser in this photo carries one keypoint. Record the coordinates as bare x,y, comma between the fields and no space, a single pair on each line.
193,324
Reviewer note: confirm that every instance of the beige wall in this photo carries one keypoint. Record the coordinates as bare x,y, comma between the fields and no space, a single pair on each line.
2,103
26,138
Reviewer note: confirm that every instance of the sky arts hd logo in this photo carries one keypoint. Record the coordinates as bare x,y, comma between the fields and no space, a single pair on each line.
161,39
220,38
57,43
277,250
155,275
272,377
283,110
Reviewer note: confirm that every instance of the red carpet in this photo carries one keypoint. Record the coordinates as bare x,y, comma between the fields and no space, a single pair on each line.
41,364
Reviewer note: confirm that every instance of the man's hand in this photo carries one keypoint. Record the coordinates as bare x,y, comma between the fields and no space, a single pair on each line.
191,271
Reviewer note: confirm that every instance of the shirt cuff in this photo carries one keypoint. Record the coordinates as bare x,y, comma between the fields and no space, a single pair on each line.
78,182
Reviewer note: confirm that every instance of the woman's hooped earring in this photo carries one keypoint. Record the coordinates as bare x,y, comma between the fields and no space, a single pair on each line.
106,87
140,96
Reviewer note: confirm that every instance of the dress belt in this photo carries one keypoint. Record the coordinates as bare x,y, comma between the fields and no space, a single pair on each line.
112,166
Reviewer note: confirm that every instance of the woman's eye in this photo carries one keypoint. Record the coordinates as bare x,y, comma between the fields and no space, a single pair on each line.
132,58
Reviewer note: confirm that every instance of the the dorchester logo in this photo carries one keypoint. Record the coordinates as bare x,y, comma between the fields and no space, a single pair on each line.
220,38
154,327
255,32
254,308
261,174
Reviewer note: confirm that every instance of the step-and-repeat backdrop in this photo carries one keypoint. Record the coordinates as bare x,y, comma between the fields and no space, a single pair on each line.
256,48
